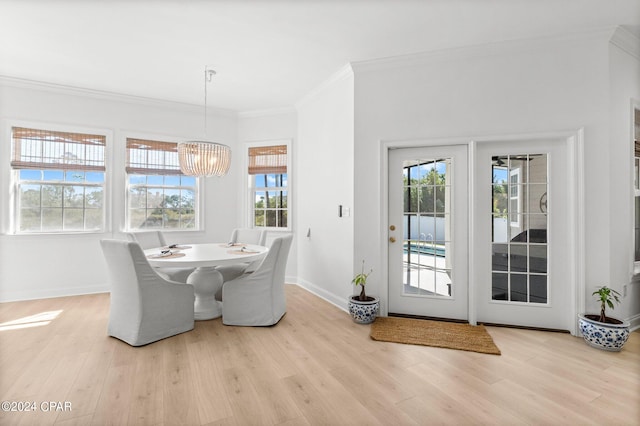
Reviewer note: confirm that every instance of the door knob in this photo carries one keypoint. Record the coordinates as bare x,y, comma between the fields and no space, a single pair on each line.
392,227
392,239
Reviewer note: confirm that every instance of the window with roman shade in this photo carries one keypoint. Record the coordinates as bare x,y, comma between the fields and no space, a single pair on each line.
268,181
159,196
59,181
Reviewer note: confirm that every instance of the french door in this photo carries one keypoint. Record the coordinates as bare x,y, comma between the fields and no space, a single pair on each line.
427,231
522,248
502,253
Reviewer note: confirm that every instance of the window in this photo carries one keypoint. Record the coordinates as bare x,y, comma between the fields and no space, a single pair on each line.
268,183
58,181
159,196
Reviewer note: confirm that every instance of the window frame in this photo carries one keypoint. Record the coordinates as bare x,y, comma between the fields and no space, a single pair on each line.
198,188
11,223
635,182
515,196
249,187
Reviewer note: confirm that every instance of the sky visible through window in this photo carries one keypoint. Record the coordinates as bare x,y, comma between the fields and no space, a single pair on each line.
60,175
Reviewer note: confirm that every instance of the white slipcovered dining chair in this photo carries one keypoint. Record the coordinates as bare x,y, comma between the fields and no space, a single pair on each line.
152,239
257,298
243,236
248,236
144,307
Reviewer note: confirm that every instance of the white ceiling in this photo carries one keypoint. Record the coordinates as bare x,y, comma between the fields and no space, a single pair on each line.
267,54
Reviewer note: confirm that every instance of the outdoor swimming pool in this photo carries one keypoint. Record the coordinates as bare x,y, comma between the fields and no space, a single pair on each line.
422,248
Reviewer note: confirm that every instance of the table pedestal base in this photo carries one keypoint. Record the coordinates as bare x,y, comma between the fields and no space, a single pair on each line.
206,282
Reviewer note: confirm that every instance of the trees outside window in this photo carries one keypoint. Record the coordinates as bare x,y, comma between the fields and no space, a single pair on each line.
59,181
269,186
159,196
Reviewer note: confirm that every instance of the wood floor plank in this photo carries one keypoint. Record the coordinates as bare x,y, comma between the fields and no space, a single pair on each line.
147,396
243,397
208,386
178,396
316,367
87,387
381,396
322,409
115,397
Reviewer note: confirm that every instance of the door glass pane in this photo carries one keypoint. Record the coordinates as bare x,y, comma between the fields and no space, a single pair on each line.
500,286
518,288
519,215
538,289
500,256
518,257
426,228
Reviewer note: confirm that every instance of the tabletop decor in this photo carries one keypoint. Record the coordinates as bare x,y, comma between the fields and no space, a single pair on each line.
178,247
161,255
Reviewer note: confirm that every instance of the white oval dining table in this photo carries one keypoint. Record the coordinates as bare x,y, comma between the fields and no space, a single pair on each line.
206,280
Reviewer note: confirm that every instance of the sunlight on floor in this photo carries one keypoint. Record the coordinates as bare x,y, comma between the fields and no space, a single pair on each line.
36,320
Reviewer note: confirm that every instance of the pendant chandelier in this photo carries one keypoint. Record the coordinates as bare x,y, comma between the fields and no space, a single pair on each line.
204,158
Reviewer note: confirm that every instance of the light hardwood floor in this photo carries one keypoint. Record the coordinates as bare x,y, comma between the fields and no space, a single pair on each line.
316,367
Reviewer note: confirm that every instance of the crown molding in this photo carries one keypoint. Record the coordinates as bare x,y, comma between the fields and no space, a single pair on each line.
343,73
627,41
481,50
61,89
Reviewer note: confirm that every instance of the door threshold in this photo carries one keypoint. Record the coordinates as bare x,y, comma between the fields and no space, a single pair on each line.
524,327
423,317
488,324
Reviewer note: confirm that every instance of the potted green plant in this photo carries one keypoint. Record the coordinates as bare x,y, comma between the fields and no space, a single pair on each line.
602,331
363,308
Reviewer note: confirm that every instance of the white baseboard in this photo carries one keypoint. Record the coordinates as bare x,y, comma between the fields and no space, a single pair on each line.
635,322
320,292
16,296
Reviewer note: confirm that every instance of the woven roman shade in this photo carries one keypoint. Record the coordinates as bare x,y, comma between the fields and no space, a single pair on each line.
45,149
268,160
637,148
149,157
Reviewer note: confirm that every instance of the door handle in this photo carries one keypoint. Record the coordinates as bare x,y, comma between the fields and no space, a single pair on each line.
392,239
392,227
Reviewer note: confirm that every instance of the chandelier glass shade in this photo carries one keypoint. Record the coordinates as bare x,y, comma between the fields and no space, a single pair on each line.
204,158
201,158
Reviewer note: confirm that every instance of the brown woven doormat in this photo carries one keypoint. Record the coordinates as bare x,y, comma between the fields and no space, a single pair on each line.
434,333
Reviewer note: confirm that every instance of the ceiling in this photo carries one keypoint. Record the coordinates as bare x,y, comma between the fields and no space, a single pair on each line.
267,54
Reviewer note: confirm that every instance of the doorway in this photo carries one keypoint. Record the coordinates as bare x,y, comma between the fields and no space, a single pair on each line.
428,241
484,232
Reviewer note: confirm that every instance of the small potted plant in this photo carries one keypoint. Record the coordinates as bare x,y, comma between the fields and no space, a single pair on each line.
363,308
602,331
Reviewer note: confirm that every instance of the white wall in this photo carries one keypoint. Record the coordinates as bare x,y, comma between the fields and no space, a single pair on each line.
57,265
272,125
324,180
624,80
523,87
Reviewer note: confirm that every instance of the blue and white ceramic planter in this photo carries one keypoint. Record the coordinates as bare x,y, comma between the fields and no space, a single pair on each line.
364,312
609,337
